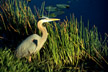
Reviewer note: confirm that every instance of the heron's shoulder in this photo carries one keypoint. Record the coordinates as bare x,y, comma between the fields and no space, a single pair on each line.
35,36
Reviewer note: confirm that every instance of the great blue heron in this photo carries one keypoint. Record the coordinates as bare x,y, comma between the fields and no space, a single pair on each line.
34,42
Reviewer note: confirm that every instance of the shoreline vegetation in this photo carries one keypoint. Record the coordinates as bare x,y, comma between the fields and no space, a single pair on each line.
70,46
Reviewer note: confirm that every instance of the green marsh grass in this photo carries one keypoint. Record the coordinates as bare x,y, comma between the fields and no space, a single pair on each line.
70,46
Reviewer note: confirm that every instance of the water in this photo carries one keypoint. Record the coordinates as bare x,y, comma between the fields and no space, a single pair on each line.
93,10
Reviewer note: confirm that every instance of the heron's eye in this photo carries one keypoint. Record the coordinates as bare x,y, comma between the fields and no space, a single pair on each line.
44,24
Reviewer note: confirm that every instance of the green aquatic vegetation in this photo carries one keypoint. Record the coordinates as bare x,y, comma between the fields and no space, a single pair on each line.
9,63
70,46
16,16
62,5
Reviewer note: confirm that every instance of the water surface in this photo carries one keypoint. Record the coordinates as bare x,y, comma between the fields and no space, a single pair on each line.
93,10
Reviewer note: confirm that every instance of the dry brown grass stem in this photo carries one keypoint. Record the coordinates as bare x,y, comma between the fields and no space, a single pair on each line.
93,58
3,21
37,12
13,28
76,26
98,54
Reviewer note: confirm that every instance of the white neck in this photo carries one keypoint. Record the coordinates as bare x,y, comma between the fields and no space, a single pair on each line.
43,38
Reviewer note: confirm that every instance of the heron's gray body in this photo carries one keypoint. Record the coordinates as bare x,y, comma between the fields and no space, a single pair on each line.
28,47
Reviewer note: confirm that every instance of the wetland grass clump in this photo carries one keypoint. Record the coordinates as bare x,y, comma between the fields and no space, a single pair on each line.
71,43
16,20
70,46
9,63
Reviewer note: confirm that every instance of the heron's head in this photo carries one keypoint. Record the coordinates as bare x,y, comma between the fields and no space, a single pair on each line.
46,20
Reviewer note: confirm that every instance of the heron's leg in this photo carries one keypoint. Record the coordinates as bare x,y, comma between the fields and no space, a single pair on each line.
29,58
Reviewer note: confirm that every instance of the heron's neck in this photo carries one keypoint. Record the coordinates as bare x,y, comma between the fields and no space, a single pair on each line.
44,36
43,30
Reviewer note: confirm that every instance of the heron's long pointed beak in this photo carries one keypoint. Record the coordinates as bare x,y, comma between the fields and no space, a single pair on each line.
52,19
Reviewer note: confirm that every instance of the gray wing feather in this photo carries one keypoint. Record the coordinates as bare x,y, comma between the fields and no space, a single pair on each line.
27,47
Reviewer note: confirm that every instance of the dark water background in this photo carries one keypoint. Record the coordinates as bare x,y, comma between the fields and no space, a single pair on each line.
93,10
